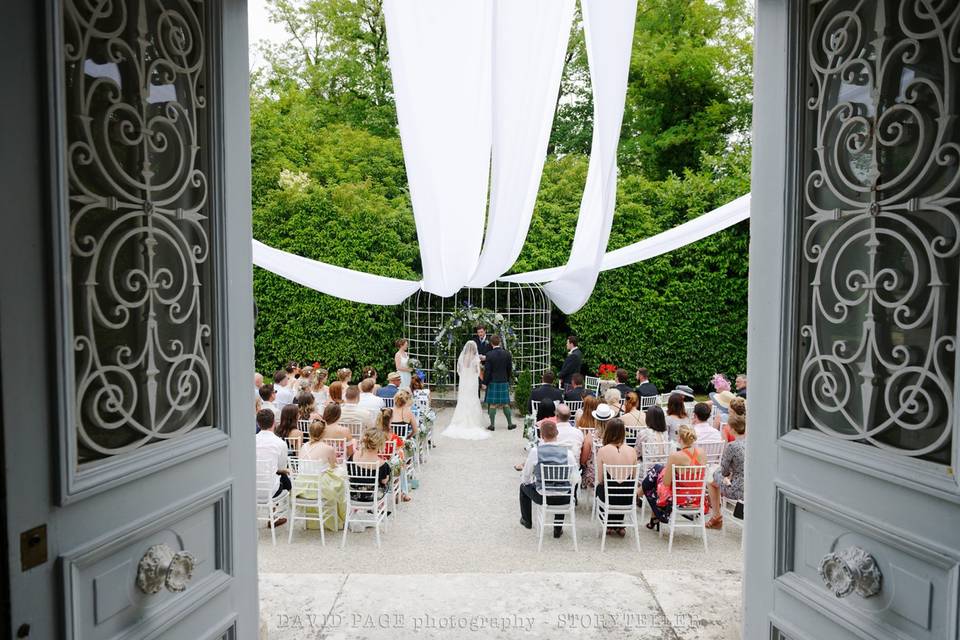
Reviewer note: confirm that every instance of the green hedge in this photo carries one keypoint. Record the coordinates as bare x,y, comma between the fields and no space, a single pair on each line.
682,315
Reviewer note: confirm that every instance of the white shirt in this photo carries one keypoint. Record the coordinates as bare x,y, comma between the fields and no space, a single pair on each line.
272,447
571,438
355,413
274,408
371,402
706,433
285,396
526,476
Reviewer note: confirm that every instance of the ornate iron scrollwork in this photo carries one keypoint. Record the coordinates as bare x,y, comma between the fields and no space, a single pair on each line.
881,229
136,152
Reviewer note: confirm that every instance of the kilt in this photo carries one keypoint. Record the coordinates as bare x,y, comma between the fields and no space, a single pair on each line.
498,393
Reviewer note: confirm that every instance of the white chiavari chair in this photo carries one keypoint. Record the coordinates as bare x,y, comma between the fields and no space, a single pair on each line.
270,507
689,489
647,401
339,446
712,451
306,504
620,482
557,490
366,503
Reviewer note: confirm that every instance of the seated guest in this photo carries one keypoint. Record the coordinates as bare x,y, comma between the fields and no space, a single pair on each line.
645,388
738,406
319,388
281,382
305,381
721,401
584,416
622,376
547,452
351,411
344,376
316,448
393,385
274,450
335,392
654,431
631,412
334,430
704,430
677,411
615,451
570,436
547,390
268,396
368,455
728,479
368,400
307,406
575,391
370,372
402,410
546,412
741,385
613,398
287,429
257,383
657,483
384,424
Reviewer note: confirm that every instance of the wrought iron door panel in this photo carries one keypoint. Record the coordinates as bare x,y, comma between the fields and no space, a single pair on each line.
137,167
880,252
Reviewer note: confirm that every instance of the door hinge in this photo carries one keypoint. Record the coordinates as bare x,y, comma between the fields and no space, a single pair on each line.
33,547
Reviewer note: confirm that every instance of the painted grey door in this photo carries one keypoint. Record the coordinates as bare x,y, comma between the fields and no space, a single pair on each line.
853,525
126,320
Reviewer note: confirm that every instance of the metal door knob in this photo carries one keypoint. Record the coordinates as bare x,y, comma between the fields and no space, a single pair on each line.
852,569
160,567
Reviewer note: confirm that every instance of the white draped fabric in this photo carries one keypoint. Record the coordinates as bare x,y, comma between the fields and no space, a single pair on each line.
336,281
608,31
529,42
440,59
687,233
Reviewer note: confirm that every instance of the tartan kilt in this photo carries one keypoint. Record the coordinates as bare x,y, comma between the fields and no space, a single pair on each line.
498,393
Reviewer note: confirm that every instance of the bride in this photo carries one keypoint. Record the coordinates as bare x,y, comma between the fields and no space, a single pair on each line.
468,422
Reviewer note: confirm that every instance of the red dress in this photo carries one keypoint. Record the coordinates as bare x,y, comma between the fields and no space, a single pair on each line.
665,493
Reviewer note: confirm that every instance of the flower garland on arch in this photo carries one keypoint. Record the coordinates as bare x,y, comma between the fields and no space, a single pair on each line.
459,327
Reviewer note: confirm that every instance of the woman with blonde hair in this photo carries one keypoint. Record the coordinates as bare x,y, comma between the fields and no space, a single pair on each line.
344,376
328,475
321,393
368,455
403,410
333,430
613,398
657,484
384,424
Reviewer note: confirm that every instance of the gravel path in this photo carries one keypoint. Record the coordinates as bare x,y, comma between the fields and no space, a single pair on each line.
464,518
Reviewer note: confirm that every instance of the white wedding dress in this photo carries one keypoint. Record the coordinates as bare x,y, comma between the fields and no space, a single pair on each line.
469,422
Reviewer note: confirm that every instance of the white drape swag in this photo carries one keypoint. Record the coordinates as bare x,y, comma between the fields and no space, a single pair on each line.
687,233
440,59
529,42
608,31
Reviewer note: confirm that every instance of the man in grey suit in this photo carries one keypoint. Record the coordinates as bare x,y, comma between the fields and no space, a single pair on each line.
572,363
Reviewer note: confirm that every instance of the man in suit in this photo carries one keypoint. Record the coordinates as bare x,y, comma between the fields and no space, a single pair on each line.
483,343
497,373
645,388
572,363
576,391
548,391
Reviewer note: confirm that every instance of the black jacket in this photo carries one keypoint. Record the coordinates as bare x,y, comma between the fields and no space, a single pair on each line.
646,389
571,365
624,389
576,394
546,392
483,348
498,366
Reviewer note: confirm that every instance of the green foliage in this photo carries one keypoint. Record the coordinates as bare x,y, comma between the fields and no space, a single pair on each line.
329,183
522,392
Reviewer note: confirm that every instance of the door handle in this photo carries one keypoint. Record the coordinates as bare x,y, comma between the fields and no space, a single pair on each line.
160,567
852,569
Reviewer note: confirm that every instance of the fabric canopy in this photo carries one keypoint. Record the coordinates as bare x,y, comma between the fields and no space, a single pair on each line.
608,30
687,233
529,42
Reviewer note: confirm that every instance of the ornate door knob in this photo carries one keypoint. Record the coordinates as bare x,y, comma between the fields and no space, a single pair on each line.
852,569
160,567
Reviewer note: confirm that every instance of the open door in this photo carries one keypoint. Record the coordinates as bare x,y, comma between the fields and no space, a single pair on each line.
853,504
126,320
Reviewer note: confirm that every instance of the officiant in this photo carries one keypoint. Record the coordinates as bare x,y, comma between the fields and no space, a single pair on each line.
483,345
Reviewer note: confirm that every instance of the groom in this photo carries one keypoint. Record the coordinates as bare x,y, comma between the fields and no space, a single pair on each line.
497,370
